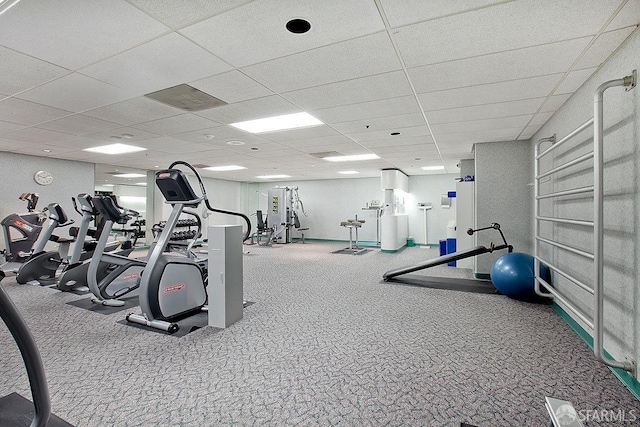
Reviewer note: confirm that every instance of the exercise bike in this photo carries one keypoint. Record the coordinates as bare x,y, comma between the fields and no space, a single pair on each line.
74,275
41,267
173,287
21,232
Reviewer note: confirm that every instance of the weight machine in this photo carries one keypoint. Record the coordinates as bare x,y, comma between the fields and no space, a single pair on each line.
283,202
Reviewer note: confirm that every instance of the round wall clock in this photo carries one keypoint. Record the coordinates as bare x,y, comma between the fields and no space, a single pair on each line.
43,177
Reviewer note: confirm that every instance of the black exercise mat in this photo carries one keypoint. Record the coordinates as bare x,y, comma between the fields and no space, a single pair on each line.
186,325
449,283
16,411
129,303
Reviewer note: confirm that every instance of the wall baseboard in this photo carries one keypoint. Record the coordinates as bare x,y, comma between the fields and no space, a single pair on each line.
629,381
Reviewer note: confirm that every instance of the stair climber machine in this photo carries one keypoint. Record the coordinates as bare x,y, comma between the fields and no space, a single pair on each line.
174,287
74,275
41,267
21,232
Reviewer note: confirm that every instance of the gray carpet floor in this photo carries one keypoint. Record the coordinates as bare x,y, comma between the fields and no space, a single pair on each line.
326,343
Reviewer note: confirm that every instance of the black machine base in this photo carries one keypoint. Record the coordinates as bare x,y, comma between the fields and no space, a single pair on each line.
16,411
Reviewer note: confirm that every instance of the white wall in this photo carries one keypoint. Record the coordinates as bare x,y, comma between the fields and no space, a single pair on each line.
70,179
621,206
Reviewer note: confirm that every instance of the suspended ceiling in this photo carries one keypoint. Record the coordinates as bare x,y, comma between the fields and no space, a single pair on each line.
444,74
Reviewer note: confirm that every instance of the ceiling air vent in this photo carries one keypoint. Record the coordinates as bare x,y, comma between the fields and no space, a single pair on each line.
326,154
186,98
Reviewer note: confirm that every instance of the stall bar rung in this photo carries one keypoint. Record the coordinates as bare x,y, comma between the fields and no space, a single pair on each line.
557,295
567,165
567,276
566,221
566,138
565,247
581,190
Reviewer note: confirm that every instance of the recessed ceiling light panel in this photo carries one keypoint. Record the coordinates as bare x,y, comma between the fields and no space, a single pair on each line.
130,175
278,123
224,168
352,158
115,149
272,176
432,168
349,172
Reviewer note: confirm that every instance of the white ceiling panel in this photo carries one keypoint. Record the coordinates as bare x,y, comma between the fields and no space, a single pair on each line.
412,150
303,133
249,110
173,146
177,124
528,62
380,123
309,143
256,32
401,13
72,34
79,124
629,15
534,87
178,13
75,92
370,88
6,127
540,119
574,80
9,144
328,64
486,111
162,63
16,110
232,87
21,72
554,102
603,47
37,135
397,142
133,111
528,132
499,28
122,135
386,134
479,125
367,110
477,136
221,134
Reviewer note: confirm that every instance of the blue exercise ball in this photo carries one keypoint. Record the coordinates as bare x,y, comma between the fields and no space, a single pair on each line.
512,275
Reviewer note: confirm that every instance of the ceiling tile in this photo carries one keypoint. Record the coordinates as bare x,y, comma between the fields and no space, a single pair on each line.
111,136
79,125
221,134
628,16
500,28
250,110
540,119
370,88
177,124
574,80
528,62
386,134
72,34
602,48
328,64
479,125
232,87
75,92
534,87
445,140
21,72
133,111
177,14
36,135
400,13
486,111
394,142
6,127
298,134
28,113
366,110
159,64
554,102
256,32
380,123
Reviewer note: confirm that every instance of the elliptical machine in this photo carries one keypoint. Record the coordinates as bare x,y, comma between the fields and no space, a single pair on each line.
21,232
42,265
173,287
74,275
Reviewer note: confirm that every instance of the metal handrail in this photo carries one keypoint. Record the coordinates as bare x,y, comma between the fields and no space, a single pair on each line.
598,224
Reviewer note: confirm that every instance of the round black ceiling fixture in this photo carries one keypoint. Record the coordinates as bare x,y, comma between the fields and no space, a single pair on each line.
298,26
395,133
